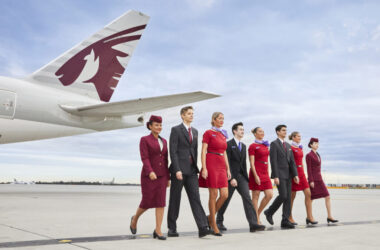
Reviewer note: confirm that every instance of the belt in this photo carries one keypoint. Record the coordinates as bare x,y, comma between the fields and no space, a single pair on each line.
215,153
264,162
300,166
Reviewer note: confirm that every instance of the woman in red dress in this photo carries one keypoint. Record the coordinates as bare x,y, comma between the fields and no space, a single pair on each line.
215,171
302,185
154,175
259,179
317,186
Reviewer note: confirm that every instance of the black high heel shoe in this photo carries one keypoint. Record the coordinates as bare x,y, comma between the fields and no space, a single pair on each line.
155,235
331,220
311,222
133,230
217,234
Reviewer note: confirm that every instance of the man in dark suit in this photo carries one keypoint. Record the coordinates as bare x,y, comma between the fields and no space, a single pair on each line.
283,170
184,171
237,158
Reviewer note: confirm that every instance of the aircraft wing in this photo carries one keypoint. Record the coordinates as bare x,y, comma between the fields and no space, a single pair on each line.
138,106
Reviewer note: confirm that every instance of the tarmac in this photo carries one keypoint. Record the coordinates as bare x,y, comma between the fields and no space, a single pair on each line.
97,217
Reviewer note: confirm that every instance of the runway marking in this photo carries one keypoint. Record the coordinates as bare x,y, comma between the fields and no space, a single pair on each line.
74,241
65,241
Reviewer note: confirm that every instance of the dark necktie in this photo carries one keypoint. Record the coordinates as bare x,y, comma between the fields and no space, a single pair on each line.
190,140
190,137
284,146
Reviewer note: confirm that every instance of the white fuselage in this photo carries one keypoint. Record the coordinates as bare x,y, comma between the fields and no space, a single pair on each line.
30,111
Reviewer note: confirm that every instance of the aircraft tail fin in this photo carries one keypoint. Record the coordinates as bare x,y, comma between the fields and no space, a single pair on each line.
94,66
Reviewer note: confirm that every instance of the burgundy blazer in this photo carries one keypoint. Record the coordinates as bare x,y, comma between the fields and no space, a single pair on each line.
154,160
313,163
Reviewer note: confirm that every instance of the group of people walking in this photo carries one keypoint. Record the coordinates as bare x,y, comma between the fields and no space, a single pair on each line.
224,170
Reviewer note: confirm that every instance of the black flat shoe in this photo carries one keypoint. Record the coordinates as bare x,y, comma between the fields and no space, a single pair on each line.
133,230
287,225
172,233
204,232
221,227
331,220
256,227
311,222
268,217
294,223
155,235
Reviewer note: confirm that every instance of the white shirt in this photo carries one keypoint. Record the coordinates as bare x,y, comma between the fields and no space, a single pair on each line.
237,142
187,128
161,143
282,141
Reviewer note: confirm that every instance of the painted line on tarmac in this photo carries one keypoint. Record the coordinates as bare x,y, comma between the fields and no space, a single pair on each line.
148,236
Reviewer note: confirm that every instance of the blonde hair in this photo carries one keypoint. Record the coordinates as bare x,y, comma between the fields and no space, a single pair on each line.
214,116
292,135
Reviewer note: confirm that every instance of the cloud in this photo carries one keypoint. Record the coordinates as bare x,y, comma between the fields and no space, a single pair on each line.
201,4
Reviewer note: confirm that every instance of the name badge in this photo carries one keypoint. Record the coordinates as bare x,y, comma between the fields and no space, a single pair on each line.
213,135
233,146
257,147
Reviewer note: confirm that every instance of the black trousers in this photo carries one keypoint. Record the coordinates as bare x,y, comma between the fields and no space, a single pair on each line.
284,198
243,189
190,182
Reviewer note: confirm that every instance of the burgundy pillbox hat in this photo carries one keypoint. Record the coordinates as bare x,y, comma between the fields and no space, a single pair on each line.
312,140
153,118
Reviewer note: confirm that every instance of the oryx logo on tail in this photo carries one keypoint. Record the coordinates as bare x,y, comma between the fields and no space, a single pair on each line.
98,64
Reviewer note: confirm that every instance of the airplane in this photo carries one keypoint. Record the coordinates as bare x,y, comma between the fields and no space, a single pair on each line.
71,94
22,182
109,182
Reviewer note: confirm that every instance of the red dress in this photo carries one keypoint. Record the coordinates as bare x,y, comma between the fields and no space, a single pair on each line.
215,164
303,184
261,153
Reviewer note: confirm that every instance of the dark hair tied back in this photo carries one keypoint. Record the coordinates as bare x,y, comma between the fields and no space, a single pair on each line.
254,131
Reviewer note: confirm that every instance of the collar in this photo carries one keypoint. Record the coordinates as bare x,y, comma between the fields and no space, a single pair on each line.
187,127
151,135
281,140
236,140
294,144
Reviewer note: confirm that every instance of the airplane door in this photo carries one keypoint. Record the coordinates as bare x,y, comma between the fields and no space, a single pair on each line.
7,104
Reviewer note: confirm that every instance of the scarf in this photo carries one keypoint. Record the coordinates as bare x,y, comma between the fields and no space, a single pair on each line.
297,145
223,131
265,143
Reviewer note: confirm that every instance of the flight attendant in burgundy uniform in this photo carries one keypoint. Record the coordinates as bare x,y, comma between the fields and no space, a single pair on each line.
154,175
303,185
317,186
215,171
259,179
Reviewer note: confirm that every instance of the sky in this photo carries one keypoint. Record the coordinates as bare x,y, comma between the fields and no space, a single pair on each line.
313,65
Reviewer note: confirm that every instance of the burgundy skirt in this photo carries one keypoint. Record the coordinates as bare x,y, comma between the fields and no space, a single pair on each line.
153,192
319,190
